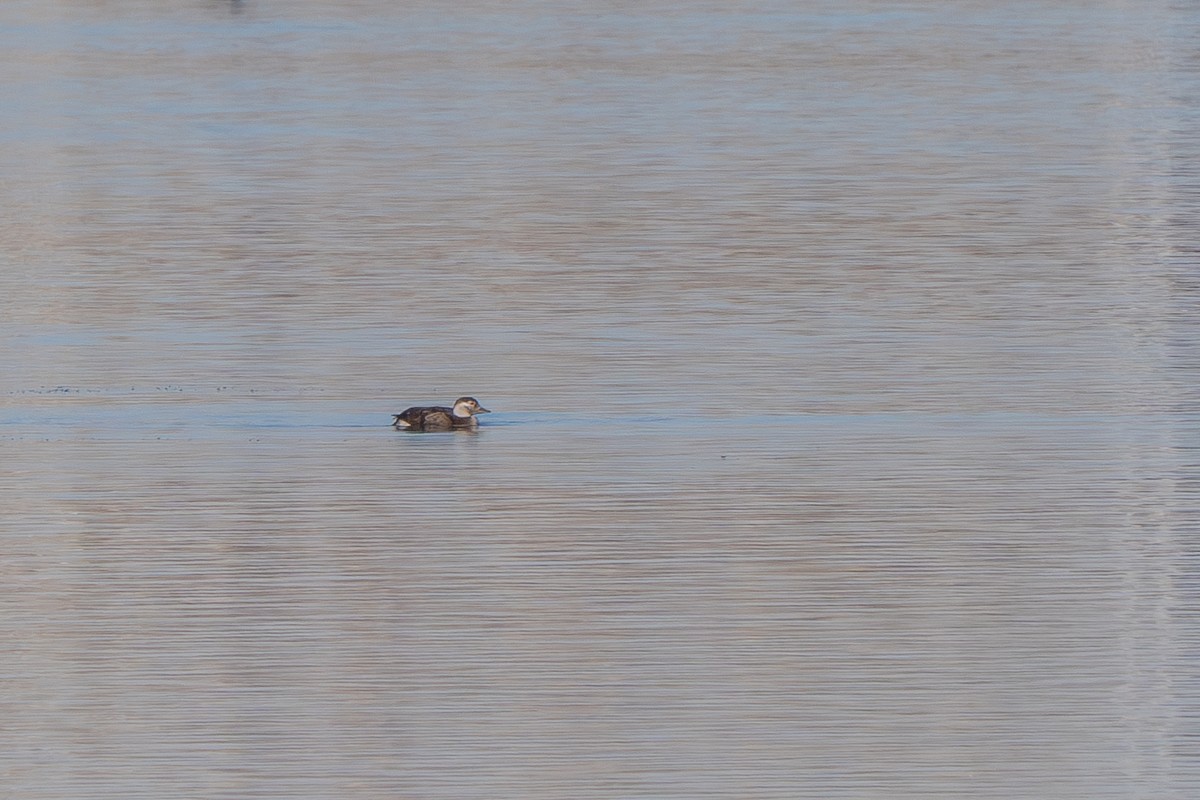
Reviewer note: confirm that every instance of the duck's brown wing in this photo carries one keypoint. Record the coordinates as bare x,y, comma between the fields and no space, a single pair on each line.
423,418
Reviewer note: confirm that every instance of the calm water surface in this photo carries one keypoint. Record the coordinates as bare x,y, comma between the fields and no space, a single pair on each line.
844,365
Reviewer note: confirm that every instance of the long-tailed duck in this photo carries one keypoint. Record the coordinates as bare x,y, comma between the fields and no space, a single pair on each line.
440,418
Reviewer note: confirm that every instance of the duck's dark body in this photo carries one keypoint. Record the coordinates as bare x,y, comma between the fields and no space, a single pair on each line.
431,418
440,418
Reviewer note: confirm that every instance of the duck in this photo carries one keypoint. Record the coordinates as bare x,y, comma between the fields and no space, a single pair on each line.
440,418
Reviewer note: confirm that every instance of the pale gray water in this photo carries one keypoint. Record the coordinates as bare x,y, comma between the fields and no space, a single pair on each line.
844,366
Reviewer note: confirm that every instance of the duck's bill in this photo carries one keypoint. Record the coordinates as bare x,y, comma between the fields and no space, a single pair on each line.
483,411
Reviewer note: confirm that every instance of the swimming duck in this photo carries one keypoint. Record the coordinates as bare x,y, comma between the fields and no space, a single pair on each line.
440,418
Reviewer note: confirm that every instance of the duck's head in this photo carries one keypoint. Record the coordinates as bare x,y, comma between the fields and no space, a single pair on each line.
468,406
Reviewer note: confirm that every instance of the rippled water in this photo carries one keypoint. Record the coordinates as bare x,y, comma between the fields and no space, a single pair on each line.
844,366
